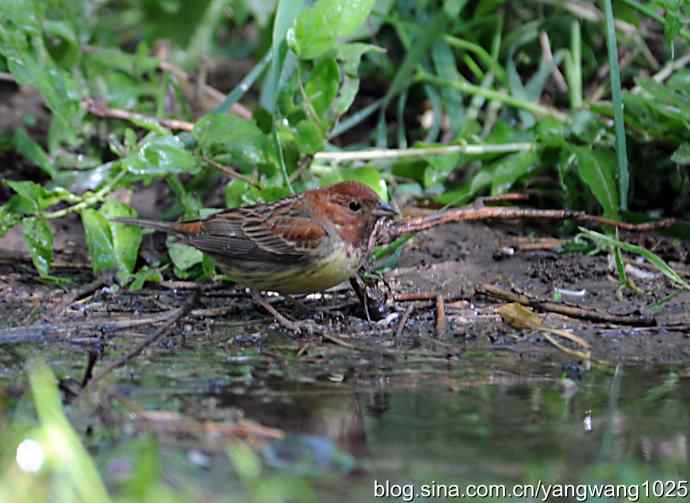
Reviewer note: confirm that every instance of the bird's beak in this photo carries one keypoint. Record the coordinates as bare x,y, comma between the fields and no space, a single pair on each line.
384,210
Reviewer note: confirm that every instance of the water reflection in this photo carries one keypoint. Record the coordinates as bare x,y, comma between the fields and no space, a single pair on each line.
482,419
470,425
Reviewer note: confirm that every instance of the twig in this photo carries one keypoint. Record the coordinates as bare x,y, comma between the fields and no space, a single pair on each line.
395,153
564,309
394,229
212,93
440,316
548,56
403,321
231,172
89,201
100,109
102,280
172,317
667,70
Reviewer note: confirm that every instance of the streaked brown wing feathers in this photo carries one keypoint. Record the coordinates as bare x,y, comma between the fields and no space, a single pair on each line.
278,232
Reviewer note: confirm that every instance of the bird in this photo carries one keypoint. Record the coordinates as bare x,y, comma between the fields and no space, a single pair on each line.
304,243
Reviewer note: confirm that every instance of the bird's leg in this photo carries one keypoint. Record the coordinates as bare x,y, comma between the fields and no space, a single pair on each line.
372,299
295,326
361,293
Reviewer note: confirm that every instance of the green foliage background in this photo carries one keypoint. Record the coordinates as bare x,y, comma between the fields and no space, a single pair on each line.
462,93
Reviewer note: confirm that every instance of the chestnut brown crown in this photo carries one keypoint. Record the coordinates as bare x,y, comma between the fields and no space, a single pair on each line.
351,207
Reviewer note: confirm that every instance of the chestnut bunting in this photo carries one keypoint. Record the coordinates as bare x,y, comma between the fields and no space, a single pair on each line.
301,244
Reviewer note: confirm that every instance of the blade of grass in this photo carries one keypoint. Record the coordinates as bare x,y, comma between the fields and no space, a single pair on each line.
490,94
575,80
286,13
244,86
619,124
651,13
653,259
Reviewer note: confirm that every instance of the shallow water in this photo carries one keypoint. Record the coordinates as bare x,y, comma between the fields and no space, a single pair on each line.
363,426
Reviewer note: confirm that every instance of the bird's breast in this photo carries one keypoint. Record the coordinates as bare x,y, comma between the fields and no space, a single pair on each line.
324,270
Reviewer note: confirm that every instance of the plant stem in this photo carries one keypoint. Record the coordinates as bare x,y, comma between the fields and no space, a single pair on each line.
386,154
468,88
490,62
88,201
618,119
281,160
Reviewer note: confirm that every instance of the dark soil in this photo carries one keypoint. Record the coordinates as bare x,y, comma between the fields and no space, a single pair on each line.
451,261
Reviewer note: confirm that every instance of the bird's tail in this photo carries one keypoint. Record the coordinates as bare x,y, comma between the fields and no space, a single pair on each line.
150,224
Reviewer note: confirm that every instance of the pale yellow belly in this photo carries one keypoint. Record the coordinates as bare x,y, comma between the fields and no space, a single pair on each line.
320,275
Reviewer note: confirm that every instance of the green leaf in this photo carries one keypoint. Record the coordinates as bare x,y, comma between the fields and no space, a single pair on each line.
655,260
125,238
38,237
439,168
322,86
239,193
99,241
32,198
246,144
29,196
597,169
286,13
144,275
317,29
511,169
183,256
351,55
309,137
159,155
33,152
8,218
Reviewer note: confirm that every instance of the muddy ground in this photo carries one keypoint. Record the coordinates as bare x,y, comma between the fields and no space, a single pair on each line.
455,261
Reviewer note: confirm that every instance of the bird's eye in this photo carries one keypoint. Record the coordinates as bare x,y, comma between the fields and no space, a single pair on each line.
355,206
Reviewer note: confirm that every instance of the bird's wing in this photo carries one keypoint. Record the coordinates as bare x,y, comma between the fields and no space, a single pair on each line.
283,232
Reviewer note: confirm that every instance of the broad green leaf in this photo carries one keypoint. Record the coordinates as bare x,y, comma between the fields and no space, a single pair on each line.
29,196
38,237
322,85
439,168
125,238
318,28
511,169
8,218
286,13
597,169
246,144
32,198
479,182
161,155
99,241
183,256
239,193
309,137
351,55
144,275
